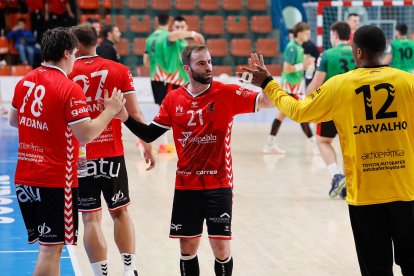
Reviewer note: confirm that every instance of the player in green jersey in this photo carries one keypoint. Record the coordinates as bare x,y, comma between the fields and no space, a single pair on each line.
294,64
332,62
401,50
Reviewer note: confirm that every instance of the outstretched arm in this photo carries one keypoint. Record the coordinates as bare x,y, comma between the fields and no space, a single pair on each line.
148,133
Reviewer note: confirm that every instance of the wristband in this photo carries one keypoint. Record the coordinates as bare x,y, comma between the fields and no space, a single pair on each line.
299,67
193,34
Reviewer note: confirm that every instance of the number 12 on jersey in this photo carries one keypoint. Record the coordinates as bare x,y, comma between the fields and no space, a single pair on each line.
382,113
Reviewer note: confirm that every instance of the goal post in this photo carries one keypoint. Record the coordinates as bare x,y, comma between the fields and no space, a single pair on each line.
385,14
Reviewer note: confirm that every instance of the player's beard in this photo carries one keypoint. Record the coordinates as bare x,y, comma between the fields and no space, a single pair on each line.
201,78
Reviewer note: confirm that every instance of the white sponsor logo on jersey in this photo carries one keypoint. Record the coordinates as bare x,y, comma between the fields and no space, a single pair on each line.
43,229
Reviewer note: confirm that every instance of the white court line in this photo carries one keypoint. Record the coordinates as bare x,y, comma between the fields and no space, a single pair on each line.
74,260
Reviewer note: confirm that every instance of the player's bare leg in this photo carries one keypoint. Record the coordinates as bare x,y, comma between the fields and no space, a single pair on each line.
189,261
124,235
329,156
223,264
48,260
94,242
271,146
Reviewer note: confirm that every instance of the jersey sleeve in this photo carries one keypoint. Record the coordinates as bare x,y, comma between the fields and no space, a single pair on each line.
163,119
17,96
242,100
127,85
290,55
322,64
76,109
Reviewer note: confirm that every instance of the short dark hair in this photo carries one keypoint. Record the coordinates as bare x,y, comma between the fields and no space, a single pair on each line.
371,40
163,18
179,18
107,29
92,20
342,29
86,35
55,42
352,14
402,29
21,19
189,49
300,27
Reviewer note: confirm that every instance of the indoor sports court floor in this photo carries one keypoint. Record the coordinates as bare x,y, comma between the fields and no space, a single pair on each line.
284,223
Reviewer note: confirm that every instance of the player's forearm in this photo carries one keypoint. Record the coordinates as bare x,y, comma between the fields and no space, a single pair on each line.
95,127
173,36
147,133
291,68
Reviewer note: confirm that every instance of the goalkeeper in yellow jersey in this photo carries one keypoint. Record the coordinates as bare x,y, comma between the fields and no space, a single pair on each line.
373,110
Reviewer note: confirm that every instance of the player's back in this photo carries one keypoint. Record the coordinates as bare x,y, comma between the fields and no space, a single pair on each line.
339,60
155,47
403,54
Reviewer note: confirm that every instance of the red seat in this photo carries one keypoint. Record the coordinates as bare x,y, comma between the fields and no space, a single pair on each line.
12,18
139,46
143,71
213,24
241,47
274,69
261,24
88,4
193,22
224,69
160,5
232,5
217,47
208,5
185,5
140,23
20,70
137,4
118,20
266,47
237,24
4,45
85,17
108,4
257,5
4,70
123,47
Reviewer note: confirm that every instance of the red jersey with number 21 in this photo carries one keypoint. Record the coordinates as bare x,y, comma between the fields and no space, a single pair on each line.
47,103
95,74
202,132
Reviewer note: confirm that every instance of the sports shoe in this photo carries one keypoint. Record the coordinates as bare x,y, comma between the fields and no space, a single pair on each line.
342,195
338,182
272,148
130,273
170,148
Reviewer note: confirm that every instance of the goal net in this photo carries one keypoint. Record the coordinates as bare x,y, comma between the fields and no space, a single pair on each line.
384,14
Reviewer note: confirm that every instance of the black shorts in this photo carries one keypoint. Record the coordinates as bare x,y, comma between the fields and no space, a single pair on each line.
159,90
50,214
381,230
106,175
190,208
326,129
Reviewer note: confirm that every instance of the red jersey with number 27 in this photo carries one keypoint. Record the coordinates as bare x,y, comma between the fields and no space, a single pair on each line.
202,127
95,74
47,103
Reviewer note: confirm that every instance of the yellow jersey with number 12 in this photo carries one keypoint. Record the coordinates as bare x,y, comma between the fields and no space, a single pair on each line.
373,111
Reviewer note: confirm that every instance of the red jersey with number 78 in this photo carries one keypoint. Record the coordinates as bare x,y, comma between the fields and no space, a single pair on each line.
95,74
202,127
47,103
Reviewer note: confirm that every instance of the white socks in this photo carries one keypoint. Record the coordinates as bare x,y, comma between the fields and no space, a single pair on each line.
333,169
100,268
128,260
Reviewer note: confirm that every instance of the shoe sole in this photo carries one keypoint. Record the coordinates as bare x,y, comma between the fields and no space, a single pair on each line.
338,190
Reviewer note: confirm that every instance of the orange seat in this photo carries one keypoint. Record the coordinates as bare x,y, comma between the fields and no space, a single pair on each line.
160,5
217,47
236,24
261,24
232,5
108,4
213,24
241,47
123,47
4,70
143,71
266,47
139,46
118,20
185,5
223,69
257,5
85,17
88,4
137,4
274,69
20,70
208,5
193,22
4,45
140,23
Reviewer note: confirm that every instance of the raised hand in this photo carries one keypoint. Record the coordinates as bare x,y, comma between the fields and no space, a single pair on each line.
116,102
257,69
